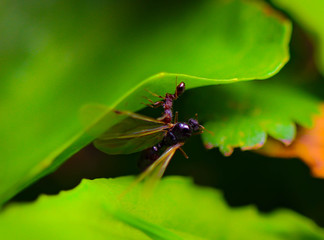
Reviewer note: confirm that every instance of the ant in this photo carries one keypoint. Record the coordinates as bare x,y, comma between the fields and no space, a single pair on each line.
159,138
178,133
167,102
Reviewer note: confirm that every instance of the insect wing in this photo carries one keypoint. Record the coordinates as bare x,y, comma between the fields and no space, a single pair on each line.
156,170
130,143
133,134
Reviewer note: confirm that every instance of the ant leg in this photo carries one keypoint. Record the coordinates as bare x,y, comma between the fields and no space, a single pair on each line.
176,117
148,105
175,94
154,104
154,94
149,100
183,153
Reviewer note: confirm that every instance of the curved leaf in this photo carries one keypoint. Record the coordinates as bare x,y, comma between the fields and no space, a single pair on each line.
62,55
242,115
94,210
310,15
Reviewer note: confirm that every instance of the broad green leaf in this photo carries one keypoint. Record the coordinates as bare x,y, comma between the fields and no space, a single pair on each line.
177,210
310,15
243,114
62,55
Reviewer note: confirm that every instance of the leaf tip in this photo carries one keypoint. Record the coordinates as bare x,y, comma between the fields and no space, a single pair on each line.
227,151
209,145
254,147
287,142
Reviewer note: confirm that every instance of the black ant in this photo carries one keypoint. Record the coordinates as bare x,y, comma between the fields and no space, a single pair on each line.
178,133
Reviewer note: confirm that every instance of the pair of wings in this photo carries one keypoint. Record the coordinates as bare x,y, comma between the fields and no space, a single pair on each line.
133,134
136,133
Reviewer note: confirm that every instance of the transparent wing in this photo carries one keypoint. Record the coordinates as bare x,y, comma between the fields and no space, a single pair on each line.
155,171
130,143
133,134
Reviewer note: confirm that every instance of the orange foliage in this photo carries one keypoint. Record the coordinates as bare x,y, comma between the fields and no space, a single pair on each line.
308,146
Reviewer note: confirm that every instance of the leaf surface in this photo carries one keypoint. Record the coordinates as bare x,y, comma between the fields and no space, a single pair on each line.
177,210
244,114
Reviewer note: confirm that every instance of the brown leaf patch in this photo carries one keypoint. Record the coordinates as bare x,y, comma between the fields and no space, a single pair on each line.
308,146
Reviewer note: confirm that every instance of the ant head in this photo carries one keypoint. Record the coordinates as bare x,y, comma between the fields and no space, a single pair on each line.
180,89
194,124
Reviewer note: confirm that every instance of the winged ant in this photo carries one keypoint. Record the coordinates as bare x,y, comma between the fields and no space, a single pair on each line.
138,132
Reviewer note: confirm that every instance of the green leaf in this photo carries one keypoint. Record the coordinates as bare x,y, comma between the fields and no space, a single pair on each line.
62,55
310,15
243,114
176,210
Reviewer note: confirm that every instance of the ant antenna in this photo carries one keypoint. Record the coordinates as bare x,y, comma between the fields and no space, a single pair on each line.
210,132
203,128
